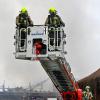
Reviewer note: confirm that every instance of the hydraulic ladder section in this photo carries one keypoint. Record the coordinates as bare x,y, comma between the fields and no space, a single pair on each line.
60,73
49,50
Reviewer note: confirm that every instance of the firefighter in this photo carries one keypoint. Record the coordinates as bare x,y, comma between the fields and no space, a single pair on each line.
53,22
87,93
23,20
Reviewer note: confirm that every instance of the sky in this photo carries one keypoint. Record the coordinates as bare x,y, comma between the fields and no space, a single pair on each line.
82,19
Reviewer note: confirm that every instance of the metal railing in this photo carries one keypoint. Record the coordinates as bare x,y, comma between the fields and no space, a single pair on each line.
55,38
23,41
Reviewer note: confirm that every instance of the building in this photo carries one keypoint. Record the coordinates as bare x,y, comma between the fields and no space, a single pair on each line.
94,81
27,96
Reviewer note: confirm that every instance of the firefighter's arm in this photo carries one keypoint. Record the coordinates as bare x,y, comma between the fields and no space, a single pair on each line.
46,22
30,21
61,22
91,96
17,21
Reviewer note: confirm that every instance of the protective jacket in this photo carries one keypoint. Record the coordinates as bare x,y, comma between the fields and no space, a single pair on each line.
23,20
54,21
87,95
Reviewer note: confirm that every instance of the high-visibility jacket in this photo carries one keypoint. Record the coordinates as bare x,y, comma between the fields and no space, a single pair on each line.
88,95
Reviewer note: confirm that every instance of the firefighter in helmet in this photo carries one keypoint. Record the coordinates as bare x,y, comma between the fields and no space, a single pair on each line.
87,93
23,20
53,22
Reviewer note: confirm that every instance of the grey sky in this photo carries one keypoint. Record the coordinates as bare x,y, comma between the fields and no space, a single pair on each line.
82,20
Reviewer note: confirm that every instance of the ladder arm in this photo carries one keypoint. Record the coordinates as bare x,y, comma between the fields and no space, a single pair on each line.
59,72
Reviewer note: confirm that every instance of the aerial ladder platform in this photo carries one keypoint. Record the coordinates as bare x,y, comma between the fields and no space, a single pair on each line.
47,46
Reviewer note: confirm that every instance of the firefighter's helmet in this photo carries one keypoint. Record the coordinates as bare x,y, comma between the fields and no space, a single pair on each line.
24,10
52,10
87,87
